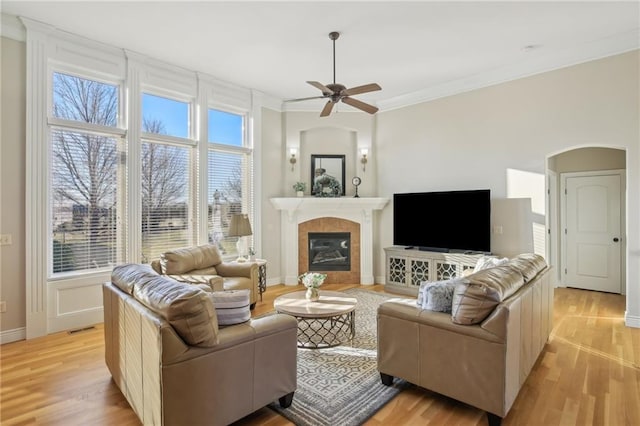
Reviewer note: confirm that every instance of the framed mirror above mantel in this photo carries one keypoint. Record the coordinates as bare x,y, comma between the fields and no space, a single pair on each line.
327,171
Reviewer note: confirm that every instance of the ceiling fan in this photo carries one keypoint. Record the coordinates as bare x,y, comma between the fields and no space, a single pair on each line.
336,92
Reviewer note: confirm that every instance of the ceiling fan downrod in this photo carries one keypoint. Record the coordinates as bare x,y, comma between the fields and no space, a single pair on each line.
333,35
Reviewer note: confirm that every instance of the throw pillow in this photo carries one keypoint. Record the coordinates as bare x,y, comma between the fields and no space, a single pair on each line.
486,262
232,306
421,293
438,296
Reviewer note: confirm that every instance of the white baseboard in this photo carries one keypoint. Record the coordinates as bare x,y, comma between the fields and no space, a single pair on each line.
380,280
14,335
631,321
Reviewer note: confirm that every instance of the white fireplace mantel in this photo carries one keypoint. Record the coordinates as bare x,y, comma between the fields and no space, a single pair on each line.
301,209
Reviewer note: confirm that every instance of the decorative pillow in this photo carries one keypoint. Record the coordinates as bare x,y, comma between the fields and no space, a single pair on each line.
438,295
232,306
421,293
486,262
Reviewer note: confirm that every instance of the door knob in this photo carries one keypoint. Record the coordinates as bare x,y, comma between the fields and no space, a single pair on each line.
616,239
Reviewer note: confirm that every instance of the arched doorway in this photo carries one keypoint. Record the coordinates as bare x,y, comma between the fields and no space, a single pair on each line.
586,218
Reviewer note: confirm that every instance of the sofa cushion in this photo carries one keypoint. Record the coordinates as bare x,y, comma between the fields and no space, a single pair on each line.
127,276
182,260
204,281
232,307
187,308
438,295
476,296
528,264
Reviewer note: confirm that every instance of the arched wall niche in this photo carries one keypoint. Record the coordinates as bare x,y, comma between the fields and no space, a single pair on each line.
342,133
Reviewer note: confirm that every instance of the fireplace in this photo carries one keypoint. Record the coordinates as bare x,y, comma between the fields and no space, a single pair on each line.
300,215
329,251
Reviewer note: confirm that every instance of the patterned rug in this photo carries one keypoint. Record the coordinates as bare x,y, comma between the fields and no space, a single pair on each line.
341,385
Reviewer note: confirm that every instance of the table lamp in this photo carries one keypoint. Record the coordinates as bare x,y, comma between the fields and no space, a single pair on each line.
240,227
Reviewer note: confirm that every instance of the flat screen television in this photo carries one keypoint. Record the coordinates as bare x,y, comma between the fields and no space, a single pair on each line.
445,221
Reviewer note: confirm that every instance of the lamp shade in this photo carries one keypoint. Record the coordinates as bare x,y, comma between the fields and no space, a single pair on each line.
239,226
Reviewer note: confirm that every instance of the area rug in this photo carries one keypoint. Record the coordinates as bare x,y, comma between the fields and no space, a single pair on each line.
341,385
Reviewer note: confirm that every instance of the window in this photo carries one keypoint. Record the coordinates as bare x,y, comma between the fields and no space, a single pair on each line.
165,116
165,179
226,128
84,185
229,177
84,100
165,185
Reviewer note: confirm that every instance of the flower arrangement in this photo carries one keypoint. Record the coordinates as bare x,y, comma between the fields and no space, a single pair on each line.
299,186
326,186
312,279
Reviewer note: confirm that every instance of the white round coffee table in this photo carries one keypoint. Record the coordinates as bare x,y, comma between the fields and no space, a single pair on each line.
324,323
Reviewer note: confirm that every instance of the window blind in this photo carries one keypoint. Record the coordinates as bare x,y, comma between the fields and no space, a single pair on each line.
84,201
166,203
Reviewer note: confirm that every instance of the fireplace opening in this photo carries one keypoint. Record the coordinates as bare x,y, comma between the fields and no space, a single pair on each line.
329,251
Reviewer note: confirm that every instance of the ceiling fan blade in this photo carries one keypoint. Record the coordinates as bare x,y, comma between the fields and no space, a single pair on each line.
327,109
321,86
361,89
360,105
304,99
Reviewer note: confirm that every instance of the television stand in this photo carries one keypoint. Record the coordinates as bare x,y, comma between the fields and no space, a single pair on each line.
406,267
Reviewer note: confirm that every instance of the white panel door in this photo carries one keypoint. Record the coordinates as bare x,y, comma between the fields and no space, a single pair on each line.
593,232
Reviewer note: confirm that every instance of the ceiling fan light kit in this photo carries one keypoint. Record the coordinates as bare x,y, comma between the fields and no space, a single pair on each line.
336,92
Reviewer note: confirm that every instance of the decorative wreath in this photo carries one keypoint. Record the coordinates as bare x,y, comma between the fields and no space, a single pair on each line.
326,186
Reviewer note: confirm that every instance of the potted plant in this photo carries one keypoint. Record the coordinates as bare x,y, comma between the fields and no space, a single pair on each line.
299,187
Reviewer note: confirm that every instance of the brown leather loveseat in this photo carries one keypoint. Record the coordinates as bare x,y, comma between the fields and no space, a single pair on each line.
203,265
176,366
482,351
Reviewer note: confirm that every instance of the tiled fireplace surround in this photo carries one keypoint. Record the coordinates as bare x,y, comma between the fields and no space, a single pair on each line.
299,216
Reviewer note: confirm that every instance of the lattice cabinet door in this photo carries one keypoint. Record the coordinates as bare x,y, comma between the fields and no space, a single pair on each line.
420,271
446,270
397,270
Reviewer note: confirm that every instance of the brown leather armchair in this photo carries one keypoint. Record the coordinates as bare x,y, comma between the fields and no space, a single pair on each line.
203,266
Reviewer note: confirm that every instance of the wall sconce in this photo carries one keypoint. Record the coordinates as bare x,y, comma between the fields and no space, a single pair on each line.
292,159
363,159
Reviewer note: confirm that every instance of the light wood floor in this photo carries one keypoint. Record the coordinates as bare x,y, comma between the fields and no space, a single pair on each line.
588,374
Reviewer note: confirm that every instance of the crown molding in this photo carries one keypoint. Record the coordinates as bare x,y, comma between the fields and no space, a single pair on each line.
13,28
533,63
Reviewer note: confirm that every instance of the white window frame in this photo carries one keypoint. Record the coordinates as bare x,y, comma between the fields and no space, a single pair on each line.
116,132
49,50
246,150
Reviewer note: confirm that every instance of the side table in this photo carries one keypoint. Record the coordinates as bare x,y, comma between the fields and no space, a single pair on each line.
262,275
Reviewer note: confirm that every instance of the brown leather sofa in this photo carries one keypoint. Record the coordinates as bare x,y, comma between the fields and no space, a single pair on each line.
204,265
175,366
482,352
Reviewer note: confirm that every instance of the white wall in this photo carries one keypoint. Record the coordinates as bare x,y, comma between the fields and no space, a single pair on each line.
470,140
272,176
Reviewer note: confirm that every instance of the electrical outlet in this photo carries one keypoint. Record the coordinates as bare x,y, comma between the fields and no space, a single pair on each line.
5,240
497,229
3,307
